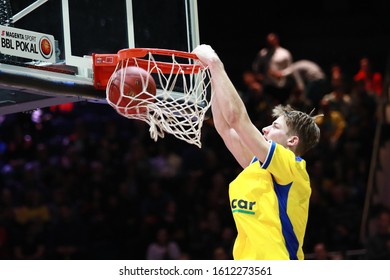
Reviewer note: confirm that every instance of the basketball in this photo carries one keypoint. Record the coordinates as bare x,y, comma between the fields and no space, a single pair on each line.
45,47
135,90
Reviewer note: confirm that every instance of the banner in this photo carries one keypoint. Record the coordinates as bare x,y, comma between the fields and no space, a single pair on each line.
27,44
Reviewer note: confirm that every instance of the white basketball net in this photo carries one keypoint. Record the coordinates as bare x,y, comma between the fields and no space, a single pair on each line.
178,113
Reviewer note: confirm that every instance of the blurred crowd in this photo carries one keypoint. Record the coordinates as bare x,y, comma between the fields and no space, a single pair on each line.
82,182
89,183
339,166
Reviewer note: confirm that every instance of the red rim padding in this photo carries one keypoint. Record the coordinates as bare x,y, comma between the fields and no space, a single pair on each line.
104,64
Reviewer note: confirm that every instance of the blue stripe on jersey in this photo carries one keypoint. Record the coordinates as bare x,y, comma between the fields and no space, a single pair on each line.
254,160
270,154
292,243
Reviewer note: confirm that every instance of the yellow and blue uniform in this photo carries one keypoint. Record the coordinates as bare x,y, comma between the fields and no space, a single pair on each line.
270,203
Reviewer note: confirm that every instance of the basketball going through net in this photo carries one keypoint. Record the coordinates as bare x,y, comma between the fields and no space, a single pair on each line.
169,90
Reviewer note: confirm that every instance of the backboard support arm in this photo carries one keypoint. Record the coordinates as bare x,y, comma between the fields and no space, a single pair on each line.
28,10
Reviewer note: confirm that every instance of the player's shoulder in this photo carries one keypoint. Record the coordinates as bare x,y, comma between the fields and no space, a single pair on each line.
286,153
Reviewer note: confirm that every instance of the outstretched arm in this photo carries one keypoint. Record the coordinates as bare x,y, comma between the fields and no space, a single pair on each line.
232,122
231,139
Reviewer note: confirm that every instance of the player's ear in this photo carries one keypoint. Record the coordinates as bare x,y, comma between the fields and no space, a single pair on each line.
292,141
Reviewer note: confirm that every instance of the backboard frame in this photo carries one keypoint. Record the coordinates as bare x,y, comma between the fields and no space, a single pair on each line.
84,64
41,85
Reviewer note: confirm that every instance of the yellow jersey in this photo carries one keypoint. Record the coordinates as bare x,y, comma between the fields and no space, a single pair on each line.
270,203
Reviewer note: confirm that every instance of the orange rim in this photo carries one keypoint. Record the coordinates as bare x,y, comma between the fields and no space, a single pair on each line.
138,54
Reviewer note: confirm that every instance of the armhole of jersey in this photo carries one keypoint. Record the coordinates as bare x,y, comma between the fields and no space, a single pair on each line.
254,159
270,153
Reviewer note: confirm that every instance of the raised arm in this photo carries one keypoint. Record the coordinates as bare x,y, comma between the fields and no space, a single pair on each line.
231,119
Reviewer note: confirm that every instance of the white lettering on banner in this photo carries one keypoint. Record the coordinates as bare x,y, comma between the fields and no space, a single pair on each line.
27,44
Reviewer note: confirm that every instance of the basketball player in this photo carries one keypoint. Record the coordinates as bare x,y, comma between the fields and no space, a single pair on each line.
270,197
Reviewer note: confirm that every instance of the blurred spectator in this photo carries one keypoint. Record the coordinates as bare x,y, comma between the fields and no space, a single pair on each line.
33,210
163,248
6,206
220,253
378,244
154,204
258,104
338,98
228,236
317,224
251,87
343,219
372,80
218,197
309,77
337,74
332,124
321,252
29,242
67,236
269,59
165,163
298,100
5,250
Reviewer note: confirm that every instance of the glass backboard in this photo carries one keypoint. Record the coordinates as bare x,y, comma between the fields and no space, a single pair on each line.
79,28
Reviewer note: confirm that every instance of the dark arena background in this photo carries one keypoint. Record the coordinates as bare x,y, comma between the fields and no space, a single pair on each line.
78,181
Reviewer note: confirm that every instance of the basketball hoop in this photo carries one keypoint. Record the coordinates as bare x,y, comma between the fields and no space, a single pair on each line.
183,90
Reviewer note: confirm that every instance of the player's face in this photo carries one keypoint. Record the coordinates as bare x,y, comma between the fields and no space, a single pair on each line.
277,131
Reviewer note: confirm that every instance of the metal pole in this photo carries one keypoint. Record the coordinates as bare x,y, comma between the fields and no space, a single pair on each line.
28,10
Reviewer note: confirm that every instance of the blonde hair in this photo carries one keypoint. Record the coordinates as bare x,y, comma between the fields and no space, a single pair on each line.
300,124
